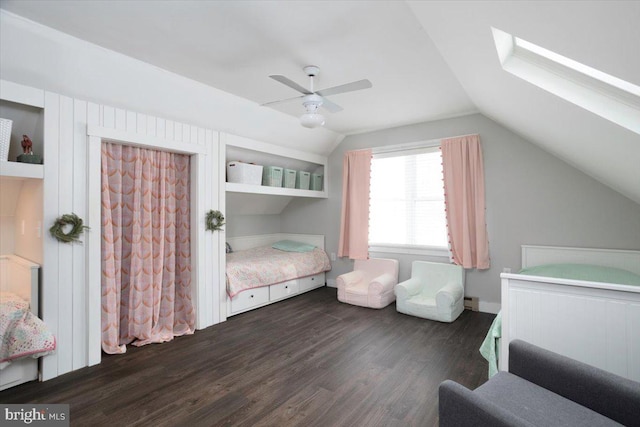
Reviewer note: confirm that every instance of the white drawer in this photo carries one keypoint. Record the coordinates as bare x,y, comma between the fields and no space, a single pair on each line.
312,282
249,298
283,290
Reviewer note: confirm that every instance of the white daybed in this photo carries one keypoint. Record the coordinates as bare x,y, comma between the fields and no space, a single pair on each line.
267,293
19,282
593,322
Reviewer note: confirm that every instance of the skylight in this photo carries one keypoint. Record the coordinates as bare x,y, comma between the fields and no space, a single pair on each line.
605,95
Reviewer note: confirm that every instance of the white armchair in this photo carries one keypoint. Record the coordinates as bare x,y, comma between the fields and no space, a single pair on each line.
435,291
370,284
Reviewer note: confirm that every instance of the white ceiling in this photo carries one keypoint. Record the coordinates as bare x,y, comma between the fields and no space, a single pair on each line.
235,45
426,60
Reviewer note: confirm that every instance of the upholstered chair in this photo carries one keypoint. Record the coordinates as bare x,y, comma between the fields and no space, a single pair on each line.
370,284
435,291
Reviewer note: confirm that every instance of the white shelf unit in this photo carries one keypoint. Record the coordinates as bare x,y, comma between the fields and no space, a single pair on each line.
21,170
262,153
25,107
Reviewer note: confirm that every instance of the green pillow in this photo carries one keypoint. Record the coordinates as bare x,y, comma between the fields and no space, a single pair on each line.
591,273
291,246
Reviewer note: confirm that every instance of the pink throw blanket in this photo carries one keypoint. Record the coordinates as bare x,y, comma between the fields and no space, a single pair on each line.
263,266
22,333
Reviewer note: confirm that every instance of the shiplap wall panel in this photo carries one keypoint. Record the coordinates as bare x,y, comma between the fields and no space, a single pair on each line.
141,124
594,326
160,128
109,117
93,244
209,241
79,251
131,122
151,126
50,267
121,119
65,250
219,164
71,287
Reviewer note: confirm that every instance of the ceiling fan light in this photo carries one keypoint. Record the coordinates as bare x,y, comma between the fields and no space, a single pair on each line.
311,120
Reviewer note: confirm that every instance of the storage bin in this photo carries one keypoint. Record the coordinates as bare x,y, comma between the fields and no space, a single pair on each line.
290,178
302,180
244,173
272,176
5,138
316,181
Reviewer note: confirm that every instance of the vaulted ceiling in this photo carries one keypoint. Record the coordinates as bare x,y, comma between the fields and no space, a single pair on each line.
426,60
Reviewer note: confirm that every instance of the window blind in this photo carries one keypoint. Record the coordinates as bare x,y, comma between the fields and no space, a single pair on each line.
407,199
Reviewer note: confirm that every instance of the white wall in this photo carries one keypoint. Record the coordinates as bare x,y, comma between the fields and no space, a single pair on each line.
247,225
532,198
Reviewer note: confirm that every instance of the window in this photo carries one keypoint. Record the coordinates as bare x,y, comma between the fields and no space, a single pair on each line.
609,97
407,212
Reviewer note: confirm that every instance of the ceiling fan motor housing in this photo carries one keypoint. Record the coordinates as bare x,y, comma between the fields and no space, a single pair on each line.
311,70
312,102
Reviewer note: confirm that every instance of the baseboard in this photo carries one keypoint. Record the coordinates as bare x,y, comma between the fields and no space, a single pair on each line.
332,283
489,307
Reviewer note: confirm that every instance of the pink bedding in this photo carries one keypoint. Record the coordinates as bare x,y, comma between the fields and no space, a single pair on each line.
263,266
22,333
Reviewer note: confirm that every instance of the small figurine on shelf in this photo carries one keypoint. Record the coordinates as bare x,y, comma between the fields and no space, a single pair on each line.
27,155
27,145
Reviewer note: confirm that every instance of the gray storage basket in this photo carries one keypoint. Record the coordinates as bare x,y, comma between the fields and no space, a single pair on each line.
302,180
272,176
290,178
316,181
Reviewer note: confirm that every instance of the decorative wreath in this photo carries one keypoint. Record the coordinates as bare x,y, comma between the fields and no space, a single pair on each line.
73,235
215,220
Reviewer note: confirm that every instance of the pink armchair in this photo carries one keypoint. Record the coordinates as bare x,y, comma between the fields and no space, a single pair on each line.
370,284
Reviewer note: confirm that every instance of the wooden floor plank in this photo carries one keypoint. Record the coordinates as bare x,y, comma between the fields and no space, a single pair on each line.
305,361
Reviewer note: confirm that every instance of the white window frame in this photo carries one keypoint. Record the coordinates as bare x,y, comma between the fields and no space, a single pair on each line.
437,251
609,97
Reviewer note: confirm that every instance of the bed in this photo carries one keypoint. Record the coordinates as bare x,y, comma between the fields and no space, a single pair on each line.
594,322
258,274
24,337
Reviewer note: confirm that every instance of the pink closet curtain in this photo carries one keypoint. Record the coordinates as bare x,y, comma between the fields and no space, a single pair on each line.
146,256
354,226
464,197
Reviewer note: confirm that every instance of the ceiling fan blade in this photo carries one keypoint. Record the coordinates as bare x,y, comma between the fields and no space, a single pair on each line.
293,85
281,101
332,107
349,87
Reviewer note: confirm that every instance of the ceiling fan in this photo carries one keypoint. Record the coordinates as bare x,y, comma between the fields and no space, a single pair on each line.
313,100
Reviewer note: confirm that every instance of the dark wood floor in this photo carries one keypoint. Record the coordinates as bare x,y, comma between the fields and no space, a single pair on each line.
308,361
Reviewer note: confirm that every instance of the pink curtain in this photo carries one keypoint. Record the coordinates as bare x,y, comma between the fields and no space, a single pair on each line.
354,226
146,257
465,202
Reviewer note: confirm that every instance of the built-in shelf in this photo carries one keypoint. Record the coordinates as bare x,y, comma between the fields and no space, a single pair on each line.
276,191
21,170
245,199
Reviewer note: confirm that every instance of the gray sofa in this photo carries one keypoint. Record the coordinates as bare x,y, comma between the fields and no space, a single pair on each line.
542,388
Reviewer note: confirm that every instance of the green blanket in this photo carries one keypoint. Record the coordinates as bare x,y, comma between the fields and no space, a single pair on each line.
489,348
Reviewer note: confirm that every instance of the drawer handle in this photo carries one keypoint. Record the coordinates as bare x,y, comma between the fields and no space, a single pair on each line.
286,287
313,278
251,296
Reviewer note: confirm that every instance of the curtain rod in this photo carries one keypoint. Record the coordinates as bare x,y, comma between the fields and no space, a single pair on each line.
410,145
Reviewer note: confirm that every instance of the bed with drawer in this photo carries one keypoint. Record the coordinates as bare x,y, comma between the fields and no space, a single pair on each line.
264,269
